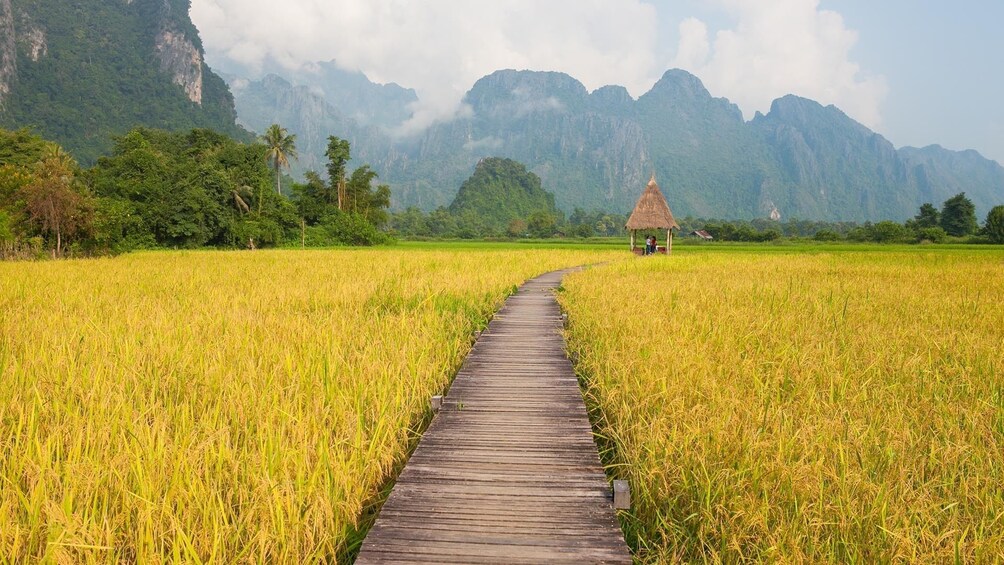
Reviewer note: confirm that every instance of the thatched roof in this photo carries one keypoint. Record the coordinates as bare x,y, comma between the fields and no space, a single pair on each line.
652,212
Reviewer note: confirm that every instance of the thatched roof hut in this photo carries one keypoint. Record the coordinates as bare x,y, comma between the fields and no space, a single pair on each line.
651,213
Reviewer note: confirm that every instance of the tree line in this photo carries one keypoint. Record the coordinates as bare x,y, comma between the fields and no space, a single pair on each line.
200,188
955,221
443,223
159,189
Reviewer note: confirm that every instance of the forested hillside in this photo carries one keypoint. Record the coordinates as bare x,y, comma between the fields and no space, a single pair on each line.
82,71
503,196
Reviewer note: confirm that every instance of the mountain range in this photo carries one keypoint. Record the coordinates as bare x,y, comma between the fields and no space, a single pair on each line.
82,71
596,150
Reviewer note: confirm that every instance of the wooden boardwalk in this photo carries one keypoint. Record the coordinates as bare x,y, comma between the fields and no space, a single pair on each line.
508,471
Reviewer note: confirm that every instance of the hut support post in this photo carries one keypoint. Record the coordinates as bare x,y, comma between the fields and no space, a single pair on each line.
669,241
632,240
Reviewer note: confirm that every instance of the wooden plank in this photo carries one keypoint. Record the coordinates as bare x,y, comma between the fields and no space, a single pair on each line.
508,472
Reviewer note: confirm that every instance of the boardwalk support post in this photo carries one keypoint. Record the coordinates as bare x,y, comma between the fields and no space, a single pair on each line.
436,402
622,495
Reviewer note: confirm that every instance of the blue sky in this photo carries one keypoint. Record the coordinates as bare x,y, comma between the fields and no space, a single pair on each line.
919,72
944,65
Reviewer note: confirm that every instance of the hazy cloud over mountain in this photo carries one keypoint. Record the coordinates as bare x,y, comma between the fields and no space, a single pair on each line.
747,50
440,47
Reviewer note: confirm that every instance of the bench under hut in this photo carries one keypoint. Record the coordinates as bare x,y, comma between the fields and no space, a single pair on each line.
652,213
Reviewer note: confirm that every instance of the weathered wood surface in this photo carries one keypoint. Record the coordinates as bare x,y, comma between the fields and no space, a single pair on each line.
508,471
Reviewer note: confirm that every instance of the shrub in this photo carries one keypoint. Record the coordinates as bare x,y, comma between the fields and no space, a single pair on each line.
888,232
827,235
933,235
346,229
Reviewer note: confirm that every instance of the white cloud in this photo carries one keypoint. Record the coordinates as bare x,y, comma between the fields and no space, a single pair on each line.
441,47
781,47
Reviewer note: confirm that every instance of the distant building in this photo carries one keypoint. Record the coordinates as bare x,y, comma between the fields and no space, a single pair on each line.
702,234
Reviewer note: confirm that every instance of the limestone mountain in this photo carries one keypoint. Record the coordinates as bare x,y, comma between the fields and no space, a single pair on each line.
367,103
597,150
82,71
307,113
940,174
500,191
706,158
589,157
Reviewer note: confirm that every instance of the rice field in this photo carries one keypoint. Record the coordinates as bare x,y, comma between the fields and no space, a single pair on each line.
226,406
822,406
830,406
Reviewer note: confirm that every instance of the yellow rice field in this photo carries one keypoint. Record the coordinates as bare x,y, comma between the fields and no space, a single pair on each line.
225,407
784,407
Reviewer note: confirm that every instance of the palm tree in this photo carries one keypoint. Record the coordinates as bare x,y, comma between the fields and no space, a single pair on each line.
239,201
281,148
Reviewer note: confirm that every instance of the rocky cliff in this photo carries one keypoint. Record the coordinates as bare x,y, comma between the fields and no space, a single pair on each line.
182,61
176,44
8,50
307,113
355,96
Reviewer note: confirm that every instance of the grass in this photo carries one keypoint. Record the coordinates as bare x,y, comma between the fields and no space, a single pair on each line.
226,406
821,404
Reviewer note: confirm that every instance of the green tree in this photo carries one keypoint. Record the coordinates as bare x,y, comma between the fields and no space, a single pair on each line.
928,217
6,233
584,230
361,198
54,202
442,223
517,228
347,228
958,216
827,235
22,148
888,231
357,195
281,147
542,224
933,235
338,153
995,224
410,222
315,198
187,190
